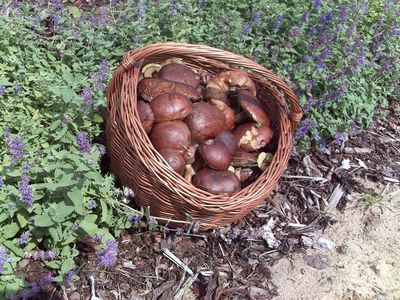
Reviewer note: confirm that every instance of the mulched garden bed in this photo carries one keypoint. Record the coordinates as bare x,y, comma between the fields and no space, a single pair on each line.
233,262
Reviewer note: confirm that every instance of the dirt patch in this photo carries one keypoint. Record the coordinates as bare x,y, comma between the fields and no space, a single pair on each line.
365,264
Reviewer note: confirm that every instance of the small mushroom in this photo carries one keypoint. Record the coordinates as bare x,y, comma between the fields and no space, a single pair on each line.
171,106
170,135
205,122
174,159
217,182
252,136
179,73
146,115
244,173
228,139
253,107
215,154
244,159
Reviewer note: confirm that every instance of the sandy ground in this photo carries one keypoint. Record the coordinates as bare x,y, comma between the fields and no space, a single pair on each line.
365,264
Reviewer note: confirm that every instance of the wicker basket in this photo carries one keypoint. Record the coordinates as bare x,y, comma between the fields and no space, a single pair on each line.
136,164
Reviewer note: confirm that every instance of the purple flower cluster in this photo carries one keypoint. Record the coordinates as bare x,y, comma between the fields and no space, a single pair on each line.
2,90
316,4
172,7
4,257
103,18
41,255
136,39
278,22
141,11
16,148
102,150
66,120
69,279
83,142
87,95
25,191
17,90
100,76
247,26
304,127
24,238
340,137
45,281
92,204
135,219
1,182
108,256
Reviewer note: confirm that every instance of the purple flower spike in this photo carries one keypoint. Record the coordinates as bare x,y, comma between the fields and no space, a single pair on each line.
108,256
278,22
83,142
316,4
304,127
24,238
26,193
16,149
4,258
46,280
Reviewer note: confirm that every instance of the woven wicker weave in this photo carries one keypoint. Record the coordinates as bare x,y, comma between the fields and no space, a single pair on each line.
136,164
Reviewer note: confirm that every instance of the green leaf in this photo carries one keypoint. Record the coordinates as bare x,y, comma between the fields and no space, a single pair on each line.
43,220
65,93
3,216
88,224
67,265
54,232
10,230
67,76
5,82
66,180
74,11
14,248
54,264
22,219
104,211
77,199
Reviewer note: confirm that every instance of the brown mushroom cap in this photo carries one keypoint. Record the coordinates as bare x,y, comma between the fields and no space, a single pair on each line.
170,135
146,115
217,182
227,111
171,106
215,154
149,88
179,73
174,159
253,107
252,136
228,139
205,122
235,80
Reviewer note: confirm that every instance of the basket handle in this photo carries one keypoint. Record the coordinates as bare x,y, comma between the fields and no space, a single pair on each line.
132,57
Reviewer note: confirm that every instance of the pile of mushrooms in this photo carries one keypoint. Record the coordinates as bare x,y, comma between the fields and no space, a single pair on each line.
209,129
